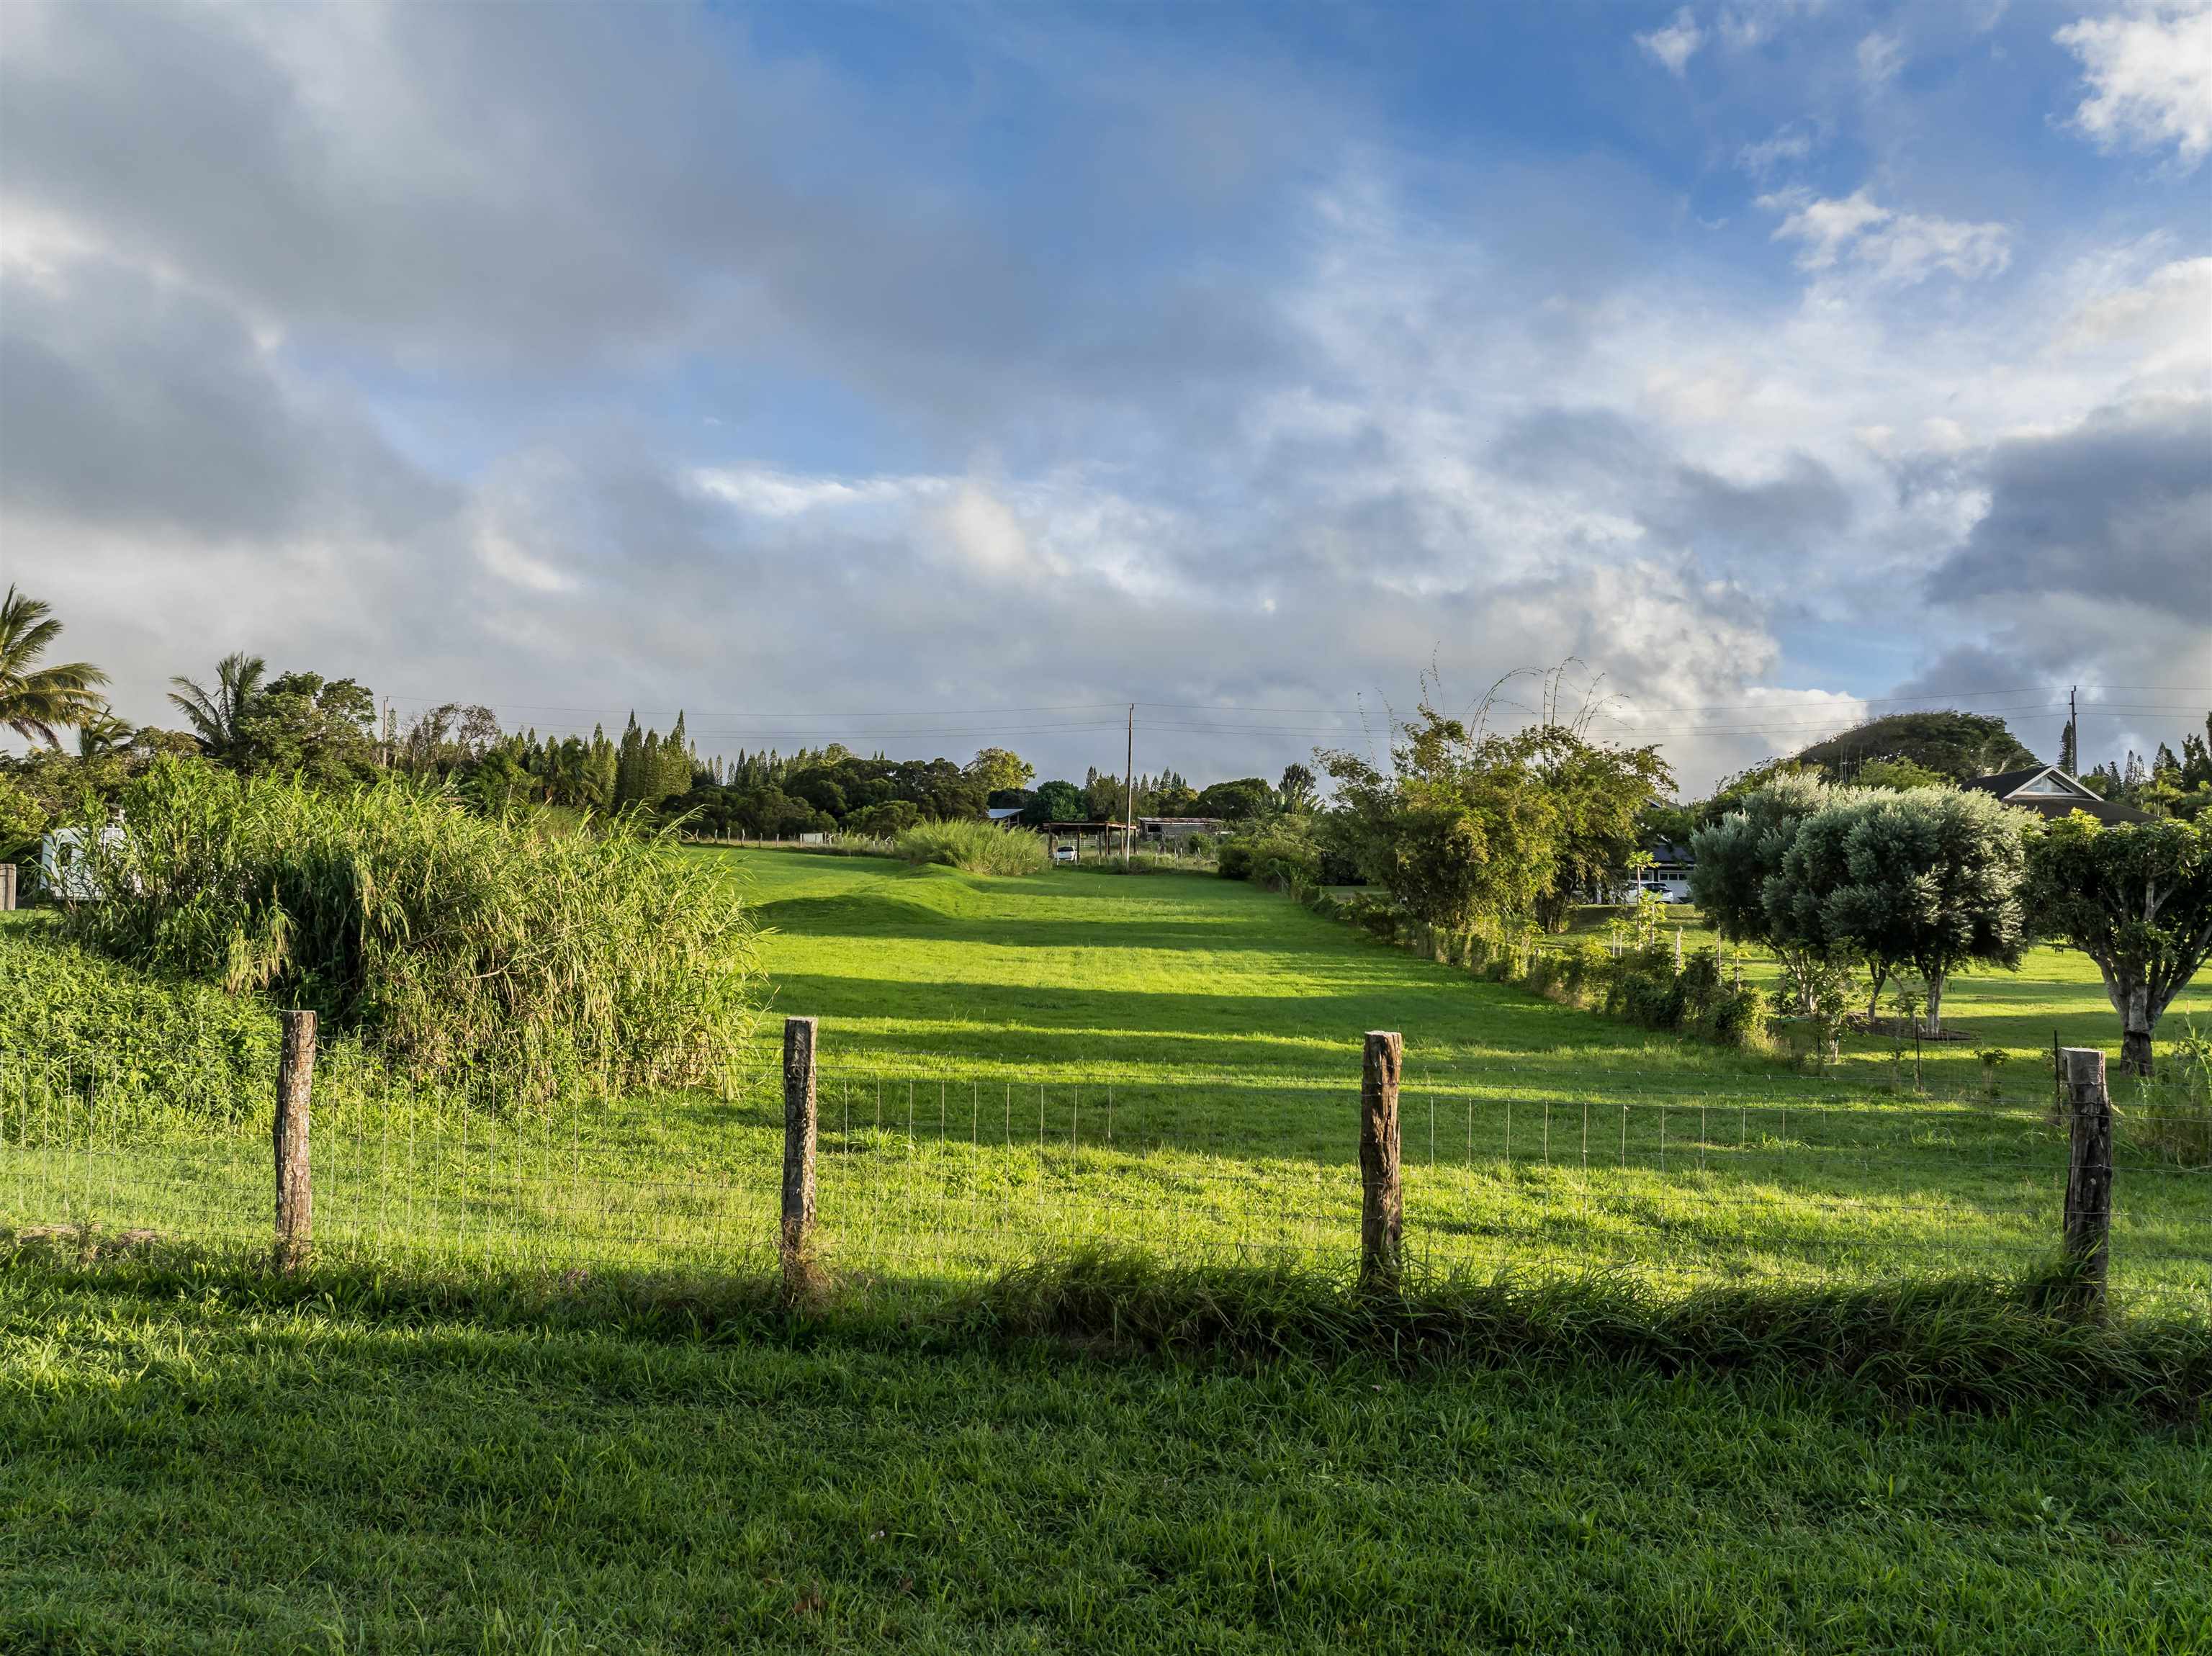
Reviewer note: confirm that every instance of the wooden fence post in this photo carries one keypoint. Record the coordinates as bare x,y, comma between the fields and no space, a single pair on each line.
2088,1175
1382,1198
296,1080
7,886
797,1234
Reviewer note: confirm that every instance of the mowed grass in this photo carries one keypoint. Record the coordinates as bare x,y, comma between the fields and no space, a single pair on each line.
191,1466
1016,1066
2055,995
193,1459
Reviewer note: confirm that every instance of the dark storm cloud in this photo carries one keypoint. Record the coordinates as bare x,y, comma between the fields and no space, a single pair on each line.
2118,508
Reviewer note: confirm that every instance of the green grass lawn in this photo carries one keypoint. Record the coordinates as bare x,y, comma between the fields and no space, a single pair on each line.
1017,1066
2057,993
192,1459
192,1469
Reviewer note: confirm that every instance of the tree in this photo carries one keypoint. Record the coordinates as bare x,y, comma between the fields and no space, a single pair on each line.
1295,791
1738,856
1600,795
1236,802
304,724
2136,898
1928,878
1054,801
103,734
1899,775
1459,828
1958,745
36,702
218,715
1000,770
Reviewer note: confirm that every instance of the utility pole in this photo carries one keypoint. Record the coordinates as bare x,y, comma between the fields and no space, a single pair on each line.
1129,789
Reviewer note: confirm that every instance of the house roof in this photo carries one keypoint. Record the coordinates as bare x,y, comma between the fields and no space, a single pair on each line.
2049,792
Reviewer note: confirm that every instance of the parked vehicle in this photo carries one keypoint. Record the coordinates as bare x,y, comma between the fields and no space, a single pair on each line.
1063,853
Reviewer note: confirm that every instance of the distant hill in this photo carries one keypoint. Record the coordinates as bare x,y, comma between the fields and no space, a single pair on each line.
1959,745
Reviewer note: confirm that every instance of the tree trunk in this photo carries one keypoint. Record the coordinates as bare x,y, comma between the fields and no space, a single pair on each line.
1880,975
2134,1033
1935,1019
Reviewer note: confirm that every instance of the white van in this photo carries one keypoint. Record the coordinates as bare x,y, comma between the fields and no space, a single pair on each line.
63,872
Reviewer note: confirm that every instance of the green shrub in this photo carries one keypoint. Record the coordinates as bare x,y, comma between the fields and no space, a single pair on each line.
1376,917
973,848
1234,861
76,1025
1583,968
465,941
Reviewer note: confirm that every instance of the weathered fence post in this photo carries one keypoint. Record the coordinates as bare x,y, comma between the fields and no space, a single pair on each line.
797,1236
7,886
296,1080
2088,1176
1382,1198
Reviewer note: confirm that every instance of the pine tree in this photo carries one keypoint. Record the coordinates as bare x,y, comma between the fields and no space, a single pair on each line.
673,776
599,767
2068,760
630,779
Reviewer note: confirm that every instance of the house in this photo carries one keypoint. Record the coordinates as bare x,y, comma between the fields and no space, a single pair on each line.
1073,836
1002,816
1178,830
2049,792
1668,872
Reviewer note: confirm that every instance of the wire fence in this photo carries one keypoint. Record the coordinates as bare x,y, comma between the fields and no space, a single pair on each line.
930,1169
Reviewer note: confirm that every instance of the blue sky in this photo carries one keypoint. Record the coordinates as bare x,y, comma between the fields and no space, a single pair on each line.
935,376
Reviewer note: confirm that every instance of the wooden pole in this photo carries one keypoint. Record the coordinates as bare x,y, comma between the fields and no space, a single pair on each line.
1129,788
2088,1175
1382,1198
7,886
796,1234
296,1080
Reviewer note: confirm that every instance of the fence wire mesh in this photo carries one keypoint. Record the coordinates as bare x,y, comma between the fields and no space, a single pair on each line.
928,1169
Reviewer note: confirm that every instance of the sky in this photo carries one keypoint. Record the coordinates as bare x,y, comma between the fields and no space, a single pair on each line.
935,377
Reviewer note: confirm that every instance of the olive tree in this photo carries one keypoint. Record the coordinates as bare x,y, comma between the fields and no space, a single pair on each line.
2136,898
1737,856
1928,879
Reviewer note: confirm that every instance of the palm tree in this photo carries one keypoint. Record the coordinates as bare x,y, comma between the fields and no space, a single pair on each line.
35,701
218,716
102,734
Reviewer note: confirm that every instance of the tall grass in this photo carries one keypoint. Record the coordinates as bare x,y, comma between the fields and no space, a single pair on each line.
467,942
974,847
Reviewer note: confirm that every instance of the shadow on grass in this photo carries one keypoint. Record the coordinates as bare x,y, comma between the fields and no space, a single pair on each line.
1955,1343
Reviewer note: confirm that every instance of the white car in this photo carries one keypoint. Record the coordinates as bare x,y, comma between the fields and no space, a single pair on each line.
1063,853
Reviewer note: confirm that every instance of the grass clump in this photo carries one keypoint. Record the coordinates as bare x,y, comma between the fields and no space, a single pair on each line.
464,941
973,848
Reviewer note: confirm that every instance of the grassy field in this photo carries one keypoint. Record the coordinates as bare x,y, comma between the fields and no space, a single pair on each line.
1018,1066
194,1457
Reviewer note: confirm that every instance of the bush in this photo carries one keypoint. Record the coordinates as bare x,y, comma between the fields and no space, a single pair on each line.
1235,860
73,1024
465,941
973,848
1376,917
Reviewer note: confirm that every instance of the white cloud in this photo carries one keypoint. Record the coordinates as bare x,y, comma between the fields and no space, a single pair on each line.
1676,44
1895,248
1762,160
2150,79
1881,55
